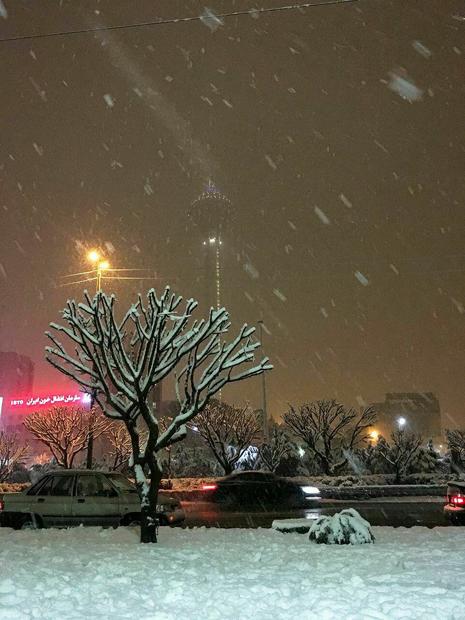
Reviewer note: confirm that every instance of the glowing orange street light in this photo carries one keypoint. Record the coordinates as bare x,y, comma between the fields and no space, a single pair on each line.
374,436
93,256
100,266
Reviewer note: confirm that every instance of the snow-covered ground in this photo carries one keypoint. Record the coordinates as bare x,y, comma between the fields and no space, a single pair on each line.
230,574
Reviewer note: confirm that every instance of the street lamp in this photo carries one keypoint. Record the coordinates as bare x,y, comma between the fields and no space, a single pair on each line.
101,265
264,407
374,436
401,422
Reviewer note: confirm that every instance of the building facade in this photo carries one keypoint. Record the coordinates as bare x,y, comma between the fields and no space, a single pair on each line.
417,412
16,381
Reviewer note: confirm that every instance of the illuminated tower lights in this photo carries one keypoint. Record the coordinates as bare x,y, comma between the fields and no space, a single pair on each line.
210,212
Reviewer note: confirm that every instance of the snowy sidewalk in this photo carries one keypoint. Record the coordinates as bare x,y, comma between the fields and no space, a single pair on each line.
229,575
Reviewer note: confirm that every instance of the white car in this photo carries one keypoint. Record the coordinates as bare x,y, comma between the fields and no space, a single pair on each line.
75,497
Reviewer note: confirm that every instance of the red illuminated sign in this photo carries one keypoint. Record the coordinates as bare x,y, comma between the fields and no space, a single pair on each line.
44,401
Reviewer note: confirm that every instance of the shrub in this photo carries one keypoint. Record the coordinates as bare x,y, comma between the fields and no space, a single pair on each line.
344,528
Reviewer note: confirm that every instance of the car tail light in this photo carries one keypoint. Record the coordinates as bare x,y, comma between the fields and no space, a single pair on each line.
2,505
209,487
457,500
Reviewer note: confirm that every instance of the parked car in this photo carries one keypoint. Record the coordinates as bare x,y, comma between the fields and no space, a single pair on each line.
455,502
75,497
265,489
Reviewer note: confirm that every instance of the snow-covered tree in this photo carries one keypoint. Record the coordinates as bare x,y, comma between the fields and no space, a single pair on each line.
228,431
276,450
456,448
121,359
65,431
370,459
400,452
12,454
329,431
427,459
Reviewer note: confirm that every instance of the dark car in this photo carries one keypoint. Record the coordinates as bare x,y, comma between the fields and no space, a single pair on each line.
75,497
455,506
247,488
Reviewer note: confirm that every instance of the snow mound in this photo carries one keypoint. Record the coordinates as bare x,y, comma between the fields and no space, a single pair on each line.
344,528
298,526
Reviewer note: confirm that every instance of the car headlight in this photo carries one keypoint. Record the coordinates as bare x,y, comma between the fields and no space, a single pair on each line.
310,490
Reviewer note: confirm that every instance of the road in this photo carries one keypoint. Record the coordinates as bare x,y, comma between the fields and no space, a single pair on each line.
407,512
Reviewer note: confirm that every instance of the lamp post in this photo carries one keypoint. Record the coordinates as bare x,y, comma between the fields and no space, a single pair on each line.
100,266
264,406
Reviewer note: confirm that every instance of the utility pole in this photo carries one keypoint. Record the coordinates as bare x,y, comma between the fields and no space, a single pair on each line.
100,266
264,407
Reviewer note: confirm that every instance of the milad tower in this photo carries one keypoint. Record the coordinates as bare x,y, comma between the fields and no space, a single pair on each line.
211,212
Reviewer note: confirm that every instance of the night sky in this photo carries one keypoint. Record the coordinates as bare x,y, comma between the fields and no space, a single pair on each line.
337,132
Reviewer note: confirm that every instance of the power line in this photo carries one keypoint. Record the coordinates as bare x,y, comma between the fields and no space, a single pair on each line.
175,20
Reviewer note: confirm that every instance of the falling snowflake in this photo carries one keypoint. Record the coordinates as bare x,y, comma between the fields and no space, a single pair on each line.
345,200
209,19
361,278
251,271
322,215
271,162
404,86
38,149
279,294
421,49
109,100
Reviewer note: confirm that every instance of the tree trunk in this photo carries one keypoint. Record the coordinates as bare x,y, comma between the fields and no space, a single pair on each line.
148,524
90,451
149,521
326,467
228,468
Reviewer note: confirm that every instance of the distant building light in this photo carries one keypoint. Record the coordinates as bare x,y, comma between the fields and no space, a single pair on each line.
212,240
301,452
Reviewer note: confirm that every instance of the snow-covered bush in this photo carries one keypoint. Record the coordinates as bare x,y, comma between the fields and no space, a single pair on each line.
344,528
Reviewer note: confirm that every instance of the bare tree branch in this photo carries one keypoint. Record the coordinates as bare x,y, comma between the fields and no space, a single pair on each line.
329,430
12,453
400,452
65,431
272,453
228,432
